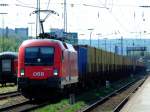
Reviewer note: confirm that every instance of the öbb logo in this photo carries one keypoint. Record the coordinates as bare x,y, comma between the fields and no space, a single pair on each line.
38,74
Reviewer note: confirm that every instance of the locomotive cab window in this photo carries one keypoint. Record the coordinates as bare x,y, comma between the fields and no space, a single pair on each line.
39,56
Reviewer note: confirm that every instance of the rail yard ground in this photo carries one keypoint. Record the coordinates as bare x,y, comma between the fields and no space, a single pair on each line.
8,88
84,99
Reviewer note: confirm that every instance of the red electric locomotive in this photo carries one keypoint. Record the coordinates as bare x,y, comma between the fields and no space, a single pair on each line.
46,64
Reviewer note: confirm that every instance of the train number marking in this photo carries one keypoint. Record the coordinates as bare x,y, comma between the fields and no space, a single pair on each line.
38,74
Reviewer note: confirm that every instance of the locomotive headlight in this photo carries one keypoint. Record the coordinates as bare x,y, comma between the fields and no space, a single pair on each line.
22,72
55,72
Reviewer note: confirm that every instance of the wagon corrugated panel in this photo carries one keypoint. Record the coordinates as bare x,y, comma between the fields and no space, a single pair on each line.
90,59
93,59
116,62
120,60
108,60
116,59
104,57
112,61
100,60
128,61
100,56
131,62
103,60
97,60
113,58
125,61
82,60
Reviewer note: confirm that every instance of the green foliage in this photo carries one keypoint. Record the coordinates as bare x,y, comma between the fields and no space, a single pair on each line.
10,44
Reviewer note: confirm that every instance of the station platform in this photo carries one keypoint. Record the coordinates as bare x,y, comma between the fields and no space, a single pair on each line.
140,101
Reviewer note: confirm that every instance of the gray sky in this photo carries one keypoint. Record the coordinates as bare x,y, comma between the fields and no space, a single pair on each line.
117,17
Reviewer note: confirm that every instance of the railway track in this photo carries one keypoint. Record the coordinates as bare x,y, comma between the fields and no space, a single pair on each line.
27,105
7,85
119,107
9,94
24,106
18,103
98,105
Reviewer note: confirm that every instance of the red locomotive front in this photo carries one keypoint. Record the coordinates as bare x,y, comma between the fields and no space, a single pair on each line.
45,63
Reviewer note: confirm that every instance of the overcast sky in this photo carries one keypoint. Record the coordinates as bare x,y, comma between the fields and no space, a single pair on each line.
110,18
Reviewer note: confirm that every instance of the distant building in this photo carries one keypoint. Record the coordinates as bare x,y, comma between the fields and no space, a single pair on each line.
136,51
18,32
22,32
70,37
7,32
57,32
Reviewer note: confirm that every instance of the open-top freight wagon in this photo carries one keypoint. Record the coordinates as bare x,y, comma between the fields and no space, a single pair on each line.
95,66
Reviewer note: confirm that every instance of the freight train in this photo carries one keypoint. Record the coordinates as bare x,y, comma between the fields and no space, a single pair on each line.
52,65
8,67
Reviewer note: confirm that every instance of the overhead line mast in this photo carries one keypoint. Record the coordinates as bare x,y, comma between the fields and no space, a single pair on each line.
38,26
38,18
65,16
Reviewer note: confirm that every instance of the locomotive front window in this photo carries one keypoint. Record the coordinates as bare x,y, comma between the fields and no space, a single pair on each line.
39,56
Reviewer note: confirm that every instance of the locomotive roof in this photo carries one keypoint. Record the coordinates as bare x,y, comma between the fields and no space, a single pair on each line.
60,43
8,54
30,41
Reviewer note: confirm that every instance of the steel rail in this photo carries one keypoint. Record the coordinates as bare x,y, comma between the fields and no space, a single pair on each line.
120,106
7,108
24,106
9,94
102,100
